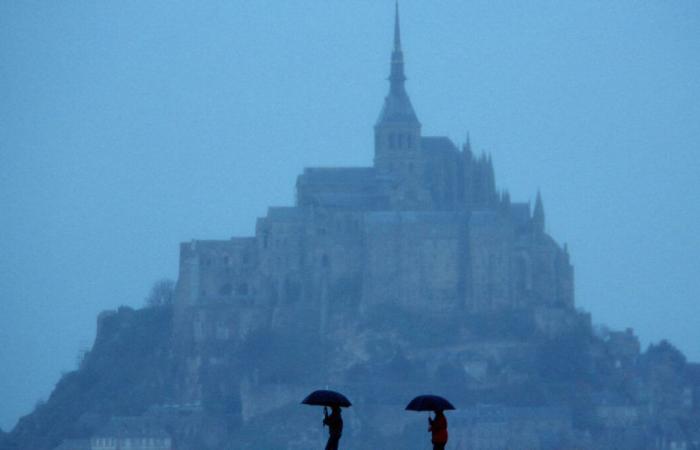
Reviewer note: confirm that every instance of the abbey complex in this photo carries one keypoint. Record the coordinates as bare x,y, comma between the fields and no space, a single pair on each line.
414,275
424,230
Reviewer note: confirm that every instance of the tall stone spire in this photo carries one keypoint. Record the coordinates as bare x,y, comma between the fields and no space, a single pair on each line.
397,135
397,76
397,106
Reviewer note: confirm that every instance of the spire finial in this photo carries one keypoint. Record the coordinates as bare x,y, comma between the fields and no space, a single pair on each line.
467,146
397,29
397,76
397,106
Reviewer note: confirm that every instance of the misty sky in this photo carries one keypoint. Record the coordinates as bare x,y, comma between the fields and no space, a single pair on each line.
127,127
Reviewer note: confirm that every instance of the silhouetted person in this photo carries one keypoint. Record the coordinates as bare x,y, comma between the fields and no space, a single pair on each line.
438,426
335,426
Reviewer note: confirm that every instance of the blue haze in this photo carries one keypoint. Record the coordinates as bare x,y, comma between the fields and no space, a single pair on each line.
127,127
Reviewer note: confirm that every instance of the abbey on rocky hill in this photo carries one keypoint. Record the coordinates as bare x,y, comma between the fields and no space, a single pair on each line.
411,276
423,230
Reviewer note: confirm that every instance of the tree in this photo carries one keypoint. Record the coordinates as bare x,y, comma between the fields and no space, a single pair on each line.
162,293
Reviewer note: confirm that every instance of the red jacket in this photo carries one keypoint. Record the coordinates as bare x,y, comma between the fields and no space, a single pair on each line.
438,427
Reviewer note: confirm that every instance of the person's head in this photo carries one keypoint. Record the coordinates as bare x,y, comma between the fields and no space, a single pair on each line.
438,413
336,409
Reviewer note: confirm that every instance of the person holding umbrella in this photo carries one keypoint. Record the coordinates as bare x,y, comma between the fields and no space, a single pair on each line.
438,425
334,420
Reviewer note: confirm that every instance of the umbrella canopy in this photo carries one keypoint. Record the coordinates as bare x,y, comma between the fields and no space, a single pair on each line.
326,398
429,403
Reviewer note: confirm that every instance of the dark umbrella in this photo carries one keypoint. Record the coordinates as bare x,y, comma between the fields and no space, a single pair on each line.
429,403
326,398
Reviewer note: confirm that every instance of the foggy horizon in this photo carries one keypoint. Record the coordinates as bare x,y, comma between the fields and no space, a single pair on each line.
127,129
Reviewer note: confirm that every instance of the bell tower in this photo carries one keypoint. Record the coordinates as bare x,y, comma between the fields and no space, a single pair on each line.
397,133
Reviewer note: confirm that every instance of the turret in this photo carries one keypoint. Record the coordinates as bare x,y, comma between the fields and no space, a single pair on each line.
490,180
467,147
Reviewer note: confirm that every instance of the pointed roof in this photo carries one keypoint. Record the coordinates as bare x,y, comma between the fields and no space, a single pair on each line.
397,106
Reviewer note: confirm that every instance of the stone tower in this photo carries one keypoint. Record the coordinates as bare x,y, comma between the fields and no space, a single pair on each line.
397,135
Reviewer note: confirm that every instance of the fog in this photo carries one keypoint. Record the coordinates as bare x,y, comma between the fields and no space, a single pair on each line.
128,127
